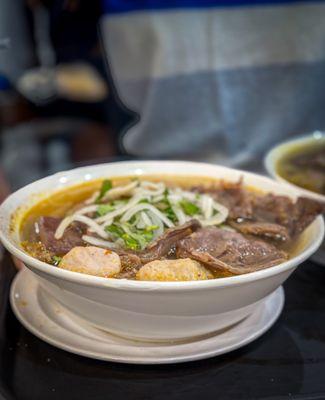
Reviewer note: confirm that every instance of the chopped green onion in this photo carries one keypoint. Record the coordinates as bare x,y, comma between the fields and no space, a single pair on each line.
115,230
130,242
104,209
56,260
106,186
151,228
170,214
189,208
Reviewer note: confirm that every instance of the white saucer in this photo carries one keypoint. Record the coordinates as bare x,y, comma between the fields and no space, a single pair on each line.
48,320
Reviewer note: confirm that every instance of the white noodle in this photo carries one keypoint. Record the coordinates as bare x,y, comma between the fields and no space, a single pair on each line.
80,218
145,206
145,219
109,216
100,242
156,221
120,191
146,213
207,206
86,210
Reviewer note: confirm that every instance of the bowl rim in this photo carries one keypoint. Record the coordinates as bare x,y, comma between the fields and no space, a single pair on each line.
279,150
133,285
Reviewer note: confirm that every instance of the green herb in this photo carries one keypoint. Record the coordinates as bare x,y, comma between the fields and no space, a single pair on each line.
151,228
115,230
165,207
144,201
189,208
56,260
103,209
106,186
170,214
148,236
130,242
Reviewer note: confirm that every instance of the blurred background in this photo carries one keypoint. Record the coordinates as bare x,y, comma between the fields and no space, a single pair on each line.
84,82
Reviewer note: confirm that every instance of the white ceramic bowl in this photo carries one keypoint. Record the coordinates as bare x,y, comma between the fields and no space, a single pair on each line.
155,310
281,150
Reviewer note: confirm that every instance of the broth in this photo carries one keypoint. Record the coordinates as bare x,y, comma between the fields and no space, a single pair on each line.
304,166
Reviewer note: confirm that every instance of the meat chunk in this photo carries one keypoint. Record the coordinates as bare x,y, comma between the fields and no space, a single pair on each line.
71,237
173,270
227,251
167,242
92,260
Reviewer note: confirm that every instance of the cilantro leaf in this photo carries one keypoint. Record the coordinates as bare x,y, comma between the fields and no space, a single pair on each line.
106,186
115,230
104,209
189,208
130,242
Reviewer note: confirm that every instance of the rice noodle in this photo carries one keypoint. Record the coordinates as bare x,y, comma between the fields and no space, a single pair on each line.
145,218
80,218
120,191
110,216
145,206
142,200
100,242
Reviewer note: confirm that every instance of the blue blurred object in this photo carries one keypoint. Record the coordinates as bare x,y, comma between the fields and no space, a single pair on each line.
4,83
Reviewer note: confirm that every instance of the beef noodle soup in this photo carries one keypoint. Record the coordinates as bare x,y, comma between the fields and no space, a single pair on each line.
304,166
164,228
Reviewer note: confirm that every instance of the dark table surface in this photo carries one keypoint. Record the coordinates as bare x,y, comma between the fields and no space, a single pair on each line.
288,362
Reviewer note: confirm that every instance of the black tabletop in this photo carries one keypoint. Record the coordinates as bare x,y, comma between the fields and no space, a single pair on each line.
288,362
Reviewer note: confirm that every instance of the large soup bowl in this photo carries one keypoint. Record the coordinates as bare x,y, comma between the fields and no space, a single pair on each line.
146,310
282,150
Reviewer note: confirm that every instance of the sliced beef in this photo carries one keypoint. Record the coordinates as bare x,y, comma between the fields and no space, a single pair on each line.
167,242
267,230
281,210
268,216
71,237
234,196
227,251
304,213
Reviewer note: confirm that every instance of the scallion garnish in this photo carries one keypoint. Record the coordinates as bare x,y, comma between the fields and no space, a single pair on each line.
106,186
189,208
56,260
103,209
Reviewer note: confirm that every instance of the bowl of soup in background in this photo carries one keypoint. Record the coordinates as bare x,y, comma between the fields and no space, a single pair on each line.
277,164
150,310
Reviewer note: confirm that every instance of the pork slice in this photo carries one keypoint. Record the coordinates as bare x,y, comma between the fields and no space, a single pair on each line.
166,243
230,252
70,239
